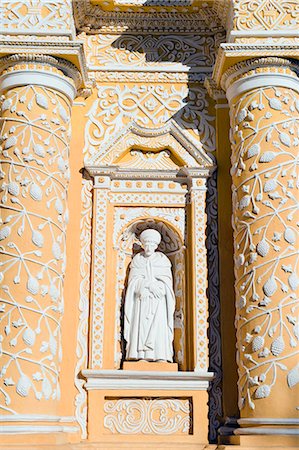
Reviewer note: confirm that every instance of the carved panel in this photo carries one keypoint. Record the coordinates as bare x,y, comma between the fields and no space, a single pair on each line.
162,416
266,15
149,106
145,50
31,16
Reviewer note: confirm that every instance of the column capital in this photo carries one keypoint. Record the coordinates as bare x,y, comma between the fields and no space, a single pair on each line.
260,72
45,70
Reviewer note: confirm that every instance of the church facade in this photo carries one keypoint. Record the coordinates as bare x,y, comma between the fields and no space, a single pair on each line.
178,116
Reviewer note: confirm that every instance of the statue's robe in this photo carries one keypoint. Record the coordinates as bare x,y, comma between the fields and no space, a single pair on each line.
148,321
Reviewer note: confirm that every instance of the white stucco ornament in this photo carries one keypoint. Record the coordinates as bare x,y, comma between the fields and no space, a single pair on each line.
149,303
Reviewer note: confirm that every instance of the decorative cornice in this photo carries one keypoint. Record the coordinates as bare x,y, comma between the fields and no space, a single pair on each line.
250,66
229,54
66,68
133,380
71,52
261,72
92,19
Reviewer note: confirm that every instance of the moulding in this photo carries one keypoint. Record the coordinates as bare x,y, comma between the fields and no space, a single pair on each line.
133,380
92,19
261,72
36,418
269,421
36,429
134,134
16,78
232,53
267,431
66,56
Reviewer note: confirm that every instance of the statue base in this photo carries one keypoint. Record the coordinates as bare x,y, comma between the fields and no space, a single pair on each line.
154,366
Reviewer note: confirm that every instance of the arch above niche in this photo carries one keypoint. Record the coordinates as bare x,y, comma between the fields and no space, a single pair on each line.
185,152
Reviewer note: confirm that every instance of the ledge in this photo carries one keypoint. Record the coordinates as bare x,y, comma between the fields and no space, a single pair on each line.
133,380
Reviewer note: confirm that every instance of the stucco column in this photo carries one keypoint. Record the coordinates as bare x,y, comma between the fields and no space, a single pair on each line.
263,95
37,94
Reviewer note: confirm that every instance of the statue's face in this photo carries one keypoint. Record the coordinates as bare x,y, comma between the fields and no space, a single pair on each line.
149,247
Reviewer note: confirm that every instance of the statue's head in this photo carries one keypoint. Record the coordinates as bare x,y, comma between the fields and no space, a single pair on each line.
150,239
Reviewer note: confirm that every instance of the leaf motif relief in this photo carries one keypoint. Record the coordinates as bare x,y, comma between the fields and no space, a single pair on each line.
244,202
257,343
42,101
270,287
275,104
270,185
37,238
10,142
253,150
290,236
267,157
35,192
4,232
285,139
13,188
33,285
277,346
262,391
293,376
293,281
262,247
23,386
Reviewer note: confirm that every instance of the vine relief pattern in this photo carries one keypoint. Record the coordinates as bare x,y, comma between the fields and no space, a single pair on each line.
35,130
265,139
149,106
162,416
266,15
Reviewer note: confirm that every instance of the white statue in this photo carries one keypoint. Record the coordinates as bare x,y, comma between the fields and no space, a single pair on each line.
149,303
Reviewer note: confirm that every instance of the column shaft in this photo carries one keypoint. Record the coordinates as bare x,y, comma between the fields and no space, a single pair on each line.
35,134
265,139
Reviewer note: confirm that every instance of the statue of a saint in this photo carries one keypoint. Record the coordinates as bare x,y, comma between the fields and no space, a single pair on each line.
149,303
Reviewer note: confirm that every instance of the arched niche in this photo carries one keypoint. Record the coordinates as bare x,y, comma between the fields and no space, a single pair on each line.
172,245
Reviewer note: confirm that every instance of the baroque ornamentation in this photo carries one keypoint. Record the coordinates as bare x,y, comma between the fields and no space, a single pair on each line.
99,271
141,51
264,135
148,106
42,16
35,134
198,199
162,416
82,334
266,15
91,18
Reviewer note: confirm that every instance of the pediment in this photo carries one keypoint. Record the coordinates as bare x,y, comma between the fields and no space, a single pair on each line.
166,148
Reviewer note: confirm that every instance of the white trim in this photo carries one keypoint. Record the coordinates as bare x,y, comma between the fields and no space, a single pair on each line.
257,81
25,77
268,421
133,380
267,431
32,429
155,67
36,418
263,33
